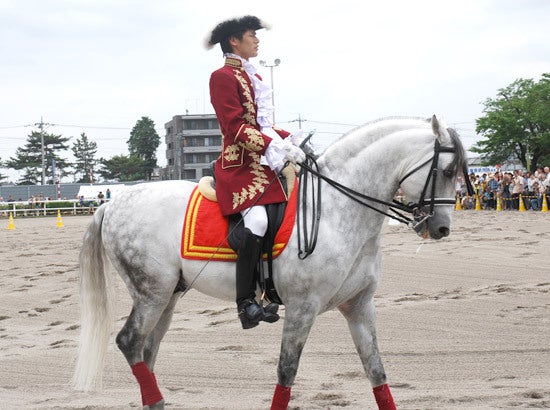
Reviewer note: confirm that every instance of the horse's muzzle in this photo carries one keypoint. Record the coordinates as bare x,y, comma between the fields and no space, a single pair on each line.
439,233
424,230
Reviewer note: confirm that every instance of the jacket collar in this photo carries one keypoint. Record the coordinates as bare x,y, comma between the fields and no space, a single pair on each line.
233,62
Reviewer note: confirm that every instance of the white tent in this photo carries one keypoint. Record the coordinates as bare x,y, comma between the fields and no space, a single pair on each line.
91,191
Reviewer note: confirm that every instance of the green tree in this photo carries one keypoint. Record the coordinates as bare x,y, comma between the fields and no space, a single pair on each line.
538,104
84,151
29,158
2,165
516,124
143,143
122,167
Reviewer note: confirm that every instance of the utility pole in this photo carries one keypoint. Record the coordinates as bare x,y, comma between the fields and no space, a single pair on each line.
41,125
299,120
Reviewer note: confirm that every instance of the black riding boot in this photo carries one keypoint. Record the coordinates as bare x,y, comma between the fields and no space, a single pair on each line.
249,311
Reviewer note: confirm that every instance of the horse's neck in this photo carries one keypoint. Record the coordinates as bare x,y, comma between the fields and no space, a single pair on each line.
374,169
361,137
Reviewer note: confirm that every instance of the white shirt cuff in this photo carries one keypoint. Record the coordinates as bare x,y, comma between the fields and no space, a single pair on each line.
275,155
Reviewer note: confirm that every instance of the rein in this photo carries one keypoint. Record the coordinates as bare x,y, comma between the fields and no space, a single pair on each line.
310,169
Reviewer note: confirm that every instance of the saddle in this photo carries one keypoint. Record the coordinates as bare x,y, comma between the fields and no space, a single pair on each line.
235,231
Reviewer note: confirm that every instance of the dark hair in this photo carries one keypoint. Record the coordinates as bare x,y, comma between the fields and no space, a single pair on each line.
226,46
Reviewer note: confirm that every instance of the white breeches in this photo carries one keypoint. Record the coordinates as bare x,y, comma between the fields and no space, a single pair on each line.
255,219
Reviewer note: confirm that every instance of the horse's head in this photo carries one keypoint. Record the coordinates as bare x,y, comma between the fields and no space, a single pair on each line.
430,183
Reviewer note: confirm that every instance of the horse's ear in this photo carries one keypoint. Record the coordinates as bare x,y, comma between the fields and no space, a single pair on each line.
440,130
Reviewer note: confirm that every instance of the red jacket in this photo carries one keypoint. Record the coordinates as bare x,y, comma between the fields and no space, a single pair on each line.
241,181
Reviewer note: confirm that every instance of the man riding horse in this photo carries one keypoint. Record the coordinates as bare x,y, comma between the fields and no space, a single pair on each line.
253,153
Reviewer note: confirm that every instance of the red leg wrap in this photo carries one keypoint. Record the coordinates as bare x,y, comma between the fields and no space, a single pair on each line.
281,397
384,398
150,393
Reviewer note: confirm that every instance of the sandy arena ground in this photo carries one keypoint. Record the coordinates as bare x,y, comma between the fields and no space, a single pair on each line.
464,323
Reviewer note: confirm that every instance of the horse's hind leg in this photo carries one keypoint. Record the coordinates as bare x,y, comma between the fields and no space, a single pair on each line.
139,338
152,342
361,317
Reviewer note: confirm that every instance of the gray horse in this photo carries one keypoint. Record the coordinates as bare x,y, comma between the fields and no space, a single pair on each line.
140,232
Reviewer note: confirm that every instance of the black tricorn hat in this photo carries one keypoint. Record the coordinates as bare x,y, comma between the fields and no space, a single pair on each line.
227,28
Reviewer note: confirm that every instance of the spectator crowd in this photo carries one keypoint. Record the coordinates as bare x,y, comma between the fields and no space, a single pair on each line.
506,188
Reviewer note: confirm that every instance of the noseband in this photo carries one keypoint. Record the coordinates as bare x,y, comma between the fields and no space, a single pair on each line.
420,211
425,207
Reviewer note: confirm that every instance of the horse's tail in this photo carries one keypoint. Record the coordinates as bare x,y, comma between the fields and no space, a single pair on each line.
96,313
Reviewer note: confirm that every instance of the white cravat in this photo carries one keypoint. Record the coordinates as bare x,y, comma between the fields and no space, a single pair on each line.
275,154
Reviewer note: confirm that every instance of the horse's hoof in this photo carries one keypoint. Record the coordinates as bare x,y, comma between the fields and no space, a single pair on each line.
157,406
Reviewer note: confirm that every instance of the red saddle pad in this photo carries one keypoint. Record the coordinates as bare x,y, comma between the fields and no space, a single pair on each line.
205,229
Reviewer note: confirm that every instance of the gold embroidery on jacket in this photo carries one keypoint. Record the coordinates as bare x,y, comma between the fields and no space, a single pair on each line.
259,182
250,108
231,152
254,140
233,62
248,116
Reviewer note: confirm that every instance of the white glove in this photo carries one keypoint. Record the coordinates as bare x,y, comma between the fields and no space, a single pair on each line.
297,137
293,153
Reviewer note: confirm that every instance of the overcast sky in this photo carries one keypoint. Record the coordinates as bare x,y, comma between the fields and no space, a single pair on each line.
99,66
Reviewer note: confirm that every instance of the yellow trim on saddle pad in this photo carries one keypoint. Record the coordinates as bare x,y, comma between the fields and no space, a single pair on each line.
205,229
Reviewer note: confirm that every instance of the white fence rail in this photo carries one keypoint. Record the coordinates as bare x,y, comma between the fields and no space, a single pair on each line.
44,208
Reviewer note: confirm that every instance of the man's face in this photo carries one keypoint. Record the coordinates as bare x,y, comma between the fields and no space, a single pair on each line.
247,47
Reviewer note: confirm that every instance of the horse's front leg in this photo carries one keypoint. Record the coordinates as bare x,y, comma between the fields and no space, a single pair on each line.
361,317
298,322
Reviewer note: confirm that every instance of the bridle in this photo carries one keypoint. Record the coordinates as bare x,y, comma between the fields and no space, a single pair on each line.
420,211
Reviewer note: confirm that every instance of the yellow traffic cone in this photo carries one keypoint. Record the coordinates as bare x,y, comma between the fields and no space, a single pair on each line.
544,204
521,203
59,220
499,203
478,203
11,226
458,206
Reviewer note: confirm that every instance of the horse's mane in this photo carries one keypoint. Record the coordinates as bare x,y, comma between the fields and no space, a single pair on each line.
362,136
394,118
460,161
375,125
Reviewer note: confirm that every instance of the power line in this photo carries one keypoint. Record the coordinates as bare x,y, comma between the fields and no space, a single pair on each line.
97,127
300,120
13,126
463,122
334,123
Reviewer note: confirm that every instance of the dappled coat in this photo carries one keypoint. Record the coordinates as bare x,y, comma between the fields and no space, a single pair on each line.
241,181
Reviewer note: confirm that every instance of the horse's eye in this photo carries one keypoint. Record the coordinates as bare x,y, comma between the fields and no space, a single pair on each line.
448,173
